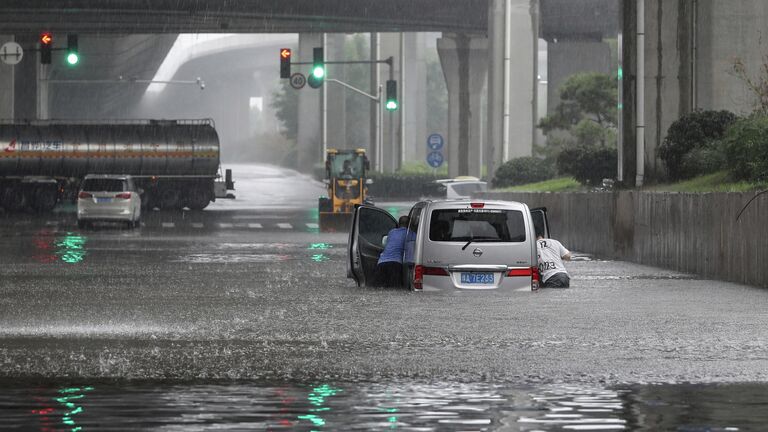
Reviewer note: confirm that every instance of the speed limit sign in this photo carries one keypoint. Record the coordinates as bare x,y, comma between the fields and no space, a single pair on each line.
298,80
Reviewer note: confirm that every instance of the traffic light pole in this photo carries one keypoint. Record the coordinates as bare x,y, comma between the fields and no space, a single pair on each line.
379,100
389,61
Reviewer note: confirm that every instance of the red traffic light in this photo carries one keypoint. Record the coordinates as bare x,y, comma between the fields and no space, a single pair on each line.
285,62
46,38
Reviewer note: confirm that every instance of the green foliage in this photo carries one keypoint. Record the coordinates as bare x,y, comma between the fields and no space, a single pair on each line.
562,184
585,96
716,182
437,95
523,170
746,145
285,102
588,164
691,147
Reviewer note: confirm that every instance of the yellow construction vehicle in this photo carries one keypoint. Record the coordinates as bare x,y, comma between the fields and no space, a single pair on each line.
345,177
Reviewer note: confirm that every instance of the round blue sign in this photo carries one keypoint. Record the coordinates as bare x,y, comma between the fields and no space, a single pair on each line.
435,159
435,141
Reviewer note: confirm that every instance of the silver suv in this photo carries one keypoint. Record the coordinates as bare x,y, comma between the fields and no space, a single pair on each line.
454,244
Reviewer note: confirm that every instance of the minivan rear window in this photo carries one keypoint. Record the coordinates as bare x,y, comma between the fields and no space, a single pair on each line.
104,185
477,225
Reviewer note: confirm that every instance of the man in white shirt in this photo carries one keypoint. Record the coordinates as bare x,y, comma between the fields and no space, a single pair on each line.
551,255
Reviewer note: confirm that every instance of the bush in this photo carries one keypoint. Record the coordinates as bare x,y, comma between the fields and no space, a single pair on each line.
746,148
697,130
522,171
589,165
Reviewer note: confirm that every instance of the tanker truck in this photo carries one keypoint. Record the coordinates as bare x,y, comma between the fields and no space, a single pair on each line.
174,162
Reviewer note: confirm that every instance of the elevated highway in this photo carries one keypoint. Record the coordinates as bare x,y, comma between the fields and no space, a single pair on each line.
242,16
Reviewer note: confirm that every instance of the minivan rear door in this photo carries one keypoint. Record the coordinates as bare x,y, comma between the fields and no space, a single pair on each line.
369,227
540,221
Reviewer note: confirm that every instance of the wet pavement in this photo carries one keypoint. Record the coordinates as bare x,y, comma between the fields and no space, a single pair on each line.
260,295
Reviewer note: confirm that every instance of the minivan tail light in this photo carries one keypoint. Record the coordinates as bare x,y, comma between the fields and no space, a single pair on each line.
84,195
435,271
418,277
535,278
124,195
520,272
477,205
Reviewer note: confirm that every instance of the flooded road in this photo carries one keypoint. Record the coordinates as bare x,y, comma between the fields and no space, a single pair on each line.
409,406
198,321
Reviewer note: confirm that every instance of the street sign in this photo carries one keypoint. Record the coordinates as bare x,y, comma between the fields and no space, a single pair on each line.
435,159
435,142
11,53
298,80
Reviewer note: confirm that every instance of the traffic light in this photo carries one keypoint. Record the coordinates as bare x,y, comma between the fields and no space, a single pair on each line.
317,74
391,102
73,55
46,45
285,63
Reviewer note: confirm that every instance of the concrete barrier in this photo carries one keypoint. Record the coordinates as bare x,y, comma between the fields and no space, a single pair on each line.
692,233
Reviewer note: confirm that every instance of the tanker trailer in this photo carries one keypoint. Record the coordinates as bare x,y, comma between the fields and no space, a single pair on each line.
175,162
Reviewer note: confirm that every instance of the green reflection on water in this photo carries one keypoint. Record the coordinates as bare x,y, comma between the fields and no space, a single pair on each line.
322,246
72,393
317,399
320,258
71,248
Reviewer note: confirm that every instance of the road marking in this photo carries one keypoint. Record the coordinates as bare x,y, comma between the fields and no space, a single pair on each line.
169,225
49,223
196,225
254,225
285,225
225,225
313,225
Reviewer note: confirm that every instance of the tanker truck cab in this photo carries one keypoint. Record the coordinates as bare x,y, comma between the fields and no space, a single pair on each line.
454,245
109,198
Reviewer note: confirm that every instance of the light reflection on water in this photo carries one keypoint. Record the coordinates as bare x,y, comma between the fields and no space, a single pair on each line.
372,406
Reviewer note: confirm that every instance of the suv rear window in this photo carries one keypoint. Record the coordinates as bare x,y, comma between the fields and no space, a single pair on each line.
104,185
477,225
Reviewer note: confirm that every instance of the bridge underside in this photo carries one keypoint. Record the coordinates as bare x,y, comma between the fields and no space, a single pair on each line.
242,16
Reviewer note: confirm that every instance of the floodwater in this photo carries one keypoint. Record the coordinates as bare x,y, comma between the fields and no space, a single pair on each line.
409,406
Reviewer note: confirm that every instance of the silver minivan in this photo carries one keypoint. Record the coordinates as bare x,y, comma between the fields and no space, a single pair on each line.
466,244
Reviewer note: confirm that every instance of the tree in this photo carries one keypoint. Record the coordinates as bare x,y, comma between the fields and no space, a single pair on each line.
285,102
758,86
587,109
586,117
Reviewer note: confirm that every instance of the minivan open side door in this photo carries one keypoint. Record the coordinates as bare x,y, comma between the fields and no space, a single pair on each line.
540,221
369,227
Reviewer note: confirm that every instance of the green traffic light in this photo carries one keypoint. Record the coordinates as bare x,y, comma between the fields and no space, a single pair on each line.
73,58
391,105
318,72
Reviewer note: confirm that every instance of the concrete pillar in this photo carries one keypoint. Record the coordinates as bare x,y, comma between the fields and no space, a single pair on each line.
336,102
523,51
309,141
512,80
728,31
464,62
493,153
413,91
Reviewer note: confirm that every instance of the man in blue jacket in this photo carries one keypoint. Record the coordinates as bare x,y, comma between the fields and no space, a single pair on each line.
389,270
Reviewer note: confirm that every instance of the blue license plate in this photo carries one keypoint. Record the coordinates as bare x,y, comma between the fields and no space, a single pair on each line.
477,278
103,199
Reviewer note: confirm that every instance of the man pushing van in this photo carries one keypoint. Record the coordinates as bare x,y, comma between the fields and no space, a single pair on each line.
551,268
